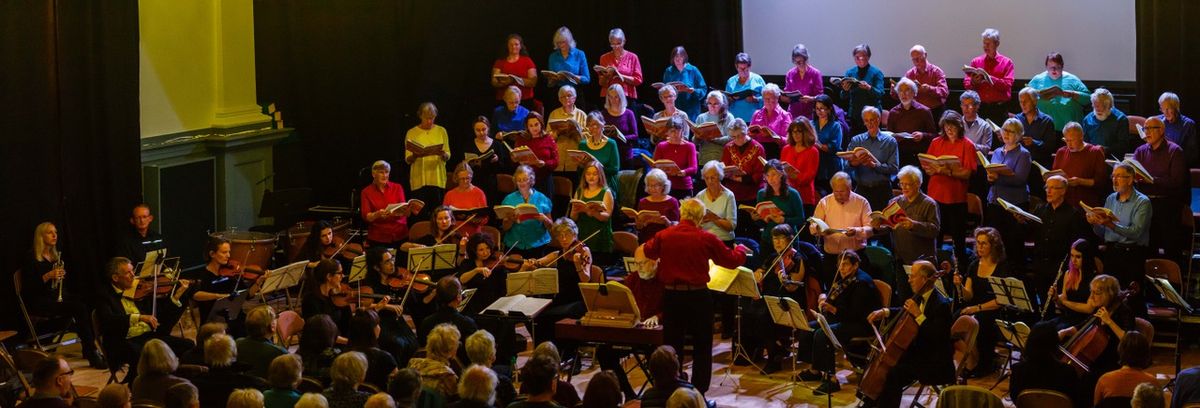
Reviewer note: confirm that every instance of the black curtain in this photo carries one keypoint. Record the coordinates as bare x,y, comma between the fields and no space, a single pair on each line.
350,75
1168,55
69,128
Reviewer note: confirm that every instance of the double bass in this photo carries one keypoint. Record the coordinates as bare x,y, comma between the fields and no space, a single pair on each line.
899,332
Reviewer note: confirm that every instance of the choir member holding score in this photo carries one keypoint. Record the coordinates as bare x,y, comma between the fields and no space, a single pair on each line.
567,140
930,79
567,58
427,148
1063,95
618,115
531,234
801,155
602,148
1180,129
918,233
657,186
691,101
948,184
910,122
1083,165
991,75
744,89
873,173
465,196
803,79
515,68
682,153
769,125
384,227
717,113
865,90
626,68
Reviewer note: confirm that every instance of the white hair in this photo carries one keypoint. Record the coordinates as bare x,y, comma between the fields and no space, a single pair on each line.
910,171
991,34
1027,91
870,109
909,82
1170,99
660,176
563,33
1103,96
772,88
565,89
617,34
918,48
972,95
716,166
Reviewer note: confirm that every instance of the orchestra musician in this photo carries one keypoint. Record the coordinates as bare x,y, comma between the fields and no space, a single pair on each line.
683,252
977,297
574,266
792,273
929,359
395,337
126,328
324,293
42,291
482,270
135,242
1113,317
647,295
851,298
383,227
1069,296
321,244
219,279
444,231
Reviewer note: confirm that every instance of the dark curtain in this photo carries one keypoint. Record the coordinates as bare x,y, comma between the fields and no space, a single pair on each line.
1168,55
69,128
350,75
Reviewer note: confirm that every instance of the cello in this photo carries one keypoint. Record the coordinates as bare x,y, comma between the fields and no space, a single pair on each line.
1085,347
900,332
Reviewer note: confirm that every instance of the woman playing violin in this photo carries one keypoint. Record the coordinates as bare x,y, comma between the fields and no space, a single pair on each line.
221,277
978,298
384,278
444,231
324,293
396,337
787,276
319,244
1070,296
484,271
573,266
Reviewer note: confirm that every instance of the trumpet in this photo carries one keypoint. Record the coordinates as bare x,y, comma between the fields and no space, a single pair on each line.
58,281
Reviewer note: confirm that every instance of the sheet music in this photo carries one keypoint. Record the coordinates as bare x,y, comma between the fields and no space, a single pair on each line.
828,331
542,281
1169,293
433,258
528,306
358,269
283,278
737,282
793,317
146,268
467,294
1014,333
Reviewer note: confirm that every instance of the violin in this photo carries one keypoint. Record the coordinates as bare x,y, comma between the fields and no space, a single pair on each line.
142,287
344,248
420,282
235,269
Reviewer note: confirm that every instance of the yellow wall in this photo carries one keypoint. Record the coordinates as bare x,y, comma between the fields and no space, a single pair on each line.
196,65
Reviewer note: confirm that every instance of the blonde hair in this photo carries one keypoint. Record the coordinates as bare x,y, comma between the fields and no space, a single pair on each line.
220,350
478,383
481,347
348,370
245,398
39,246
692,210
684,397
442,342
157,358
312,400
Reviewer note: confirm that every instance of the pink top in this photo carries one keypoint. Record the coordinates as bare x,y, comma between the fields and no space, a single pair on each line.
627,65
805,163
684,156
519,68
810,85
945,189
853,214
1000,69
778,122
936,79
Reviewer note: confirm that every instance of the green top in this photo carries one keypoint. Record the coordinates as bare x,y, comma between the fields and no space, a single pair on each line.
610,158
603,241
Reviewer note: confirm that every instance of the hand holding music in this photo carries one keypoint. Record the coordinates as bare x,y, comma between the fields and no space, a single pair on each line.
906,224
846,86
776,218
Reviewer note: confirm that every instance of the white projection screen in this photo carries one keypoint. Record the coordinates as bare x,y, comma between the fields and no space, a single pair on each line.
1096,37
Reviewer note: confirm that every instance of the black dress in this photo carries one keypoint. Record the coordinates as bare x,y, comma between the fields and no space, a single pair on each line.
485,173
985,343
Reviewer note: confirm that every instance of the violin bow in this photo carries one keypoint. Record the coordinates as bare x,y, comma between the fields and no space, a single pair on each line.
572,248
455,229
780,258
501,259
347,241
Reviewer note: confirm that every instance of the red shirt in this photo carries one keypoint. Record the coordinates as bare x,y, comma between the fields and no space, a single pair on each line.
647,294
1087,163
520,68
389,230
945,189
627,65
690,249
546,149
745,157
805,163
1000,69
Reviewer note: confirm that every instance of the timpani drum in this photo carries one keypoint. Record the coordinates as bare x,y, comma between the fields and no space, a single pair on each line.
297,234
256,248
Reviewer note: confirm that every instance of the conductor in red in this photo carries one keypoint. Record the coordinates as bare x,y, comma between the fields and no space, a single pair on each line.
683,252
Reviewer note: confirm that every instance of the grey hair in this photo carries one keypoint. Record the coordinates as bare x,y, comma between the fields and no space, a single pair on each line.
800,51
381,165
1028,91
772,88
564,224
513,89
1170,99
720,98
716,166
567,89
563,33
1072,126
738,125
910,171
907,81
870,109
617,34
991,34
481,347
919,48
667,90
624,103
660,176
348,369
427,108
1103,96
478,383
841,177
972,95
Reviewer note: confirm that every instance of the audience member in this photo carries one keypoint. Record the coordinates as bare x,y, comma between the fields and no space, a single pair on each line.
257,349
348,371
477,388
156,369
245,398
283,375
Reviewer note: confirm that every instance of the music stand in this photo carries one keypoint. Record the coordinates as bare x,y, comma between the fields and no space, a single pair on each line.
541,281
1171,296
358,269
1011,294
786,312
229,308
467,294
433,258
1015,334
837,346
739,283
282,279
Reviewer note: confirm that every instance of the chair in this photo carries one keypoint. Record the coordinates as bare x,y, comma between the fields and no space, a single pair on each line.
964,332
190,371
1145,327
1134,122
968,396
495,233
309,384
885,292
882,266
114,366
287,326
505,183
864,343
368,388
32,320
625,242
1167,313
563,186
1038,398
597,275
1114,402
974,209
26,359
419,229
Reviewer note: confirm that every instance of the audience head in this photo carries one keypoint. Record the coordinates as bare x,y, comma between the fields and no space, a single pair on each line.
547,349
685,397
312,400
245,398
380,400
1148,395
991,41
717,103
285,371
692,210
404,385
182,395
481,348
1134,350
220,351
993,246
603,391
348,370
114,396
319,334
157,359
364,329
442,342
260,322
478,383
1042,343
657,182
1168,104
664,365
449,290
540,375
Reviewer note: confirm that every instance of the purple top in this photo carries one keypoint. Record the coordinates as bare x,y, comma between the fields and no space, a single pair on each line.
810,85
684,156
1168,167
668,208
627,123
1183,133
